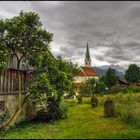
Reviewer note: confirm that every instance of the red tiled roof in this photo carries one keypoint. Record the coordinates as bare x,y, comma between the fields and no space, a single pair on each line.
88,71
80,73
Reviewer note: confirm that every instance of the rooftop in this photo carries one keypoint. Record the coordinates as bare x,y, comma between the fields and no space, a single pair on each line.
88,71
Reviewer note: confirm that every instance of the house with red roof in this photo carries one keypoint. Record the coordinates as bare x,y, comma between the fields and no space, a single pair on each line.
86,71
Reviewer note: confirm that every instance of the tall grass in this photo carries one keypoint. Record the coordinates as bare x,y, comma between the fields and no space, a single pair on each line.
127,106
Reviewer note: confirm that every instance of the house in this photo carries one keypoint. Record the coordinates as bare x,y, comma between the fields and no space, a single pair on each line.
122,83
86,72
9,87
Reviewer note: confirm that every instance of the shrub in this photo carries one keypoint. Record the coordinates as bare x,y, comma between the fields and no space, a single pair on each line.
109,108
100,88
52,109
116,89
79,99
94,101
63,109
133,88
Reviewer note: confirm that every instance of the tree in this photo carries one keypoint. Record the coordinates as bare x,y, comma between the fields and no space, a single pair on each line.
67,70
48,87
132,74
22,36
110,78
60,71
88,88
100,87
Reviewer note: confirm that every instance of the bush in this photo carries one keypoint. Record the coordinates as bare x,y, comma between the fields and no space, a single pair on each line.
116,89
94,101
100,88
79,99
109,108
53,109
133,88
63,109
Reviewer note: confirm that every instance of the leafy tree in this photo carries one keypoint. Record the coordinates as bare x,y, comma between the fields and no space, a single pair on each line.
88,88
67,70
110,78
100,87
51,79
22,36
132,74
60,71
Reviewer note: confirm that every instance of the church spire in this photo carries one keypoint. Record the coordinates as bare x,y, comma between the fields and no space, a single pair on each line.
87,58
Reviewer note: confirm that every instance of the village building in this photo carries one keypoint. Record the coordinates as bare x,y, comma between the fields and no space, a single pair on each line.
9,87
86,72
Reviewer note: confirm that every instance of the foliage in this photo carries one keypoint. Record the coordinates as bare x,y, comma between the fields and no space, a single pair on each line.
50,111
117,88
4,116
94,101
88,88
110,78
100,87
48,102
2,66
109,108
23,34
63,109
53,110
79,99
47,87
67,71
133,89
40,87
132,74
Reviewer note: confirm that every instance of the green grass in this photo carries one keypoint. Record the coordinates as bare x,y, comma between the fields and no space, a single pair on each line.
82,122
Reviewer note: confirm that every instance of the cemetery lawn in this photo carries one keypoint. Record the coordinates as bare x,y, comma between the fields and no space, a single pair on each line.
82,122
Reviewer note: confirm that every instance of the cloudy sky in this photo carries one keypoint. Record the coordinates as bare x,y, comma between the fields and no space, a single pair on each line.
111,28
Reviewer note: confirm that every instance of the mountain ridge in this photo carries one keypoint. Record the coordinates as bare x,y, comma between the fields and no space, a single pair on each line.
101,70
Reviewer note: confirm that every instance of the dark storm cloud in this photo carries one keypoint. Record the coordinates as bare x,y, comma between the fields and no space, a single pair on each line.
112,28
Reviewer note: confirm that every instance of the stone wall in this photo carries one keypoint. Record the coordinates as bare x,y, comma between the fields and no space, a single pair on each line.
11,103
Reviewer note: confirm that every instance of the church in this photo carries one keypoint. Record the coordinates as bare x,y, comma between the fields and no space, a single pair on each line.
86,71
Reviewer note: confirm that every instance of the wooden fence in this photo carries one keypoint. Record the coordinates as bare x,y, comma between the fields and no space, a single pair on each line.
9,81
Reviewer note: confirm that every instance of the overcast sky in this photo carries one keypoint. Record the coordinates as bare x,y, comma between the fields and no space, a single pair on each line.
111,28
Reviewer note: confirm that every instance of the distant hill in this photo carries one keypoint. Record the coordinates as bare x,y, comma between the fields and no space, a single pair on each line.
102,70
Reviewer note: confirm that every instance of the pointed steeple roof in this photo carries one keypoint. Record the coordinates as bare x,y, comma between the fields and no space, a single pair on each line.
87,58
87,53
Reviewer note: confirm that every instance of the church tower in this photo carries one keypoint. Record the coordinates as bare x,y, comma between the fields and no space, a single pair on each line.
87,58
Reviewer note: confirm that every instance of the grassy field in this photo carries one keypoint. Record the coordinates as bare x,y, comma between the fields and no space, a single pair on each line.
85,122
